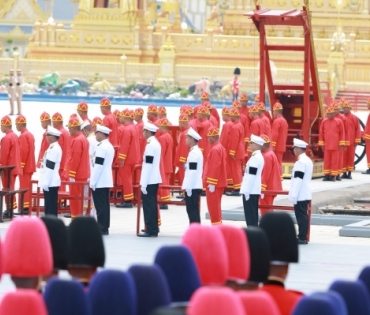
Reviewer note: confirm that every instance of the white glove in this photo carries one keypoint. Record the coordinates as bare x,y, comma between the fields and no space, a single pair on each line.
72,180
246,196
262,196
143,190
46,188
211,188
189,192
176,169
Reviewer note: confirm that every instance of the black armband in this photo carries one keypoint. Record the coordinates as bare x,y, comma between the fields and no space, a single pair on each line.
99,160
149,159
298,174
50,164
253,170
193,165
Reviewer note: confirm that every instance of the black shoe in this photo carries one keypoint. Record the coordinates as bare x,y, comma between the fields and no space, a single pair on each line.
145,234
367,172
68,216
345,176
349,176
125,205
6,214
302,242
235,193
338,178
332,178
326,178
163,207
24,212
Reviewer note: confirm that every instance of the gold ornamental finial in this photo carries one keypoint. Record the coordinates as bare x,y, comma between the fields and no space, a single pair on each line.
306,4
256,3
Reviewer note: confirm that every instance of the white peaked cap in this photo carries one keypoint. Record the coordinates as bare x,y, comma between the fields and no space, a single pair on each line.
52,131
299,143
85,124
192,133
150,127
257,140
103,129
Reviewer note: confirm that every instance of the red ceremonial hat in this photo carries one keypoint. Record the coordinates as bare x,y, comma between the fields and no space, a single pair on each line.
27,250
152,108
162,110
204,96
21,120
57,117
277,106
128,113
243,97
236,104
203,110
213,131
342,100
215,301
265,138
334,104
207,105
329,109
253,109
256,98
183,117
347,104
44,116
261,106
208,248
238,252
23,302
234,112
73,122
225,111
258,303
131,113
97,121
105,102
163,122
116,113
6,121
139,111
83,106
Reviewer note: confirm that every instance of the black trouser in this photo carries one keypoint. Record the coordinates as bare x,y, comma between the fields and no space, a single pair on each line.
150,208
300,210
51,201
192,205
251,209
101,202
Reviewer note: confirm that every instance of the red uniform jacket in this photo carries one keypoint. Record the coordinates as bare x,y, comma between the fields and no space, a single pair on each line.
10,152
77,164
182,150
27,151
271,172
142,140
331,134
245,121
266,126
120,129
166,143
225,134
214,121
110,121
193,124
279,134
202,128
214,172
268,115
215,114
64,141
43,148
344,121
354,131
367,129
236,144
129,147
256,127
285,300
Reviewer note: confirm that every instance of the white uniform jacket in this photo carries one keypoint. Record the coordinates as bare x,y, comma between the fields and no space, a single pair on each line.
150,173
49,171
193,170
300,189
251,184
101,176
92,148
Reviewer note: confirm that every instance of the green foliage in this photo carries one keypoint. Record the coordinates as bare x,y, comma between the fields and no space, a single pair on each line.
9,41
129,88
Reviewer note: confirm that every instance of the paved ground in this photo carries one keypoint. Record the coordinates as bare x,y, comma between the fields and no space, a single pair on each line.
326,258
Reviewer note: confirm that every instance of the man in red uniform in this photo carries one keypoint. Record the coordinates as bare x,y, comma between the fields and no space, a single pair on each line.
64,141
77,167
152,114
214,175
244,120
162,112
128,156
166,142
235,151
266,121
45,122
271,175
138,117
182,150
367,140
204,97
256,125
210,117
257,100
203,124
225,139
279,133
28,164
331,139
9,155
353,137
109,121
96,121
82,109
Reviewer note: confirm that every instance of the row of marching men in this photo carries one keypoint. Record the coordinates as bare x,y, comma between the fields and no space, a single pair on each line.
216,270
